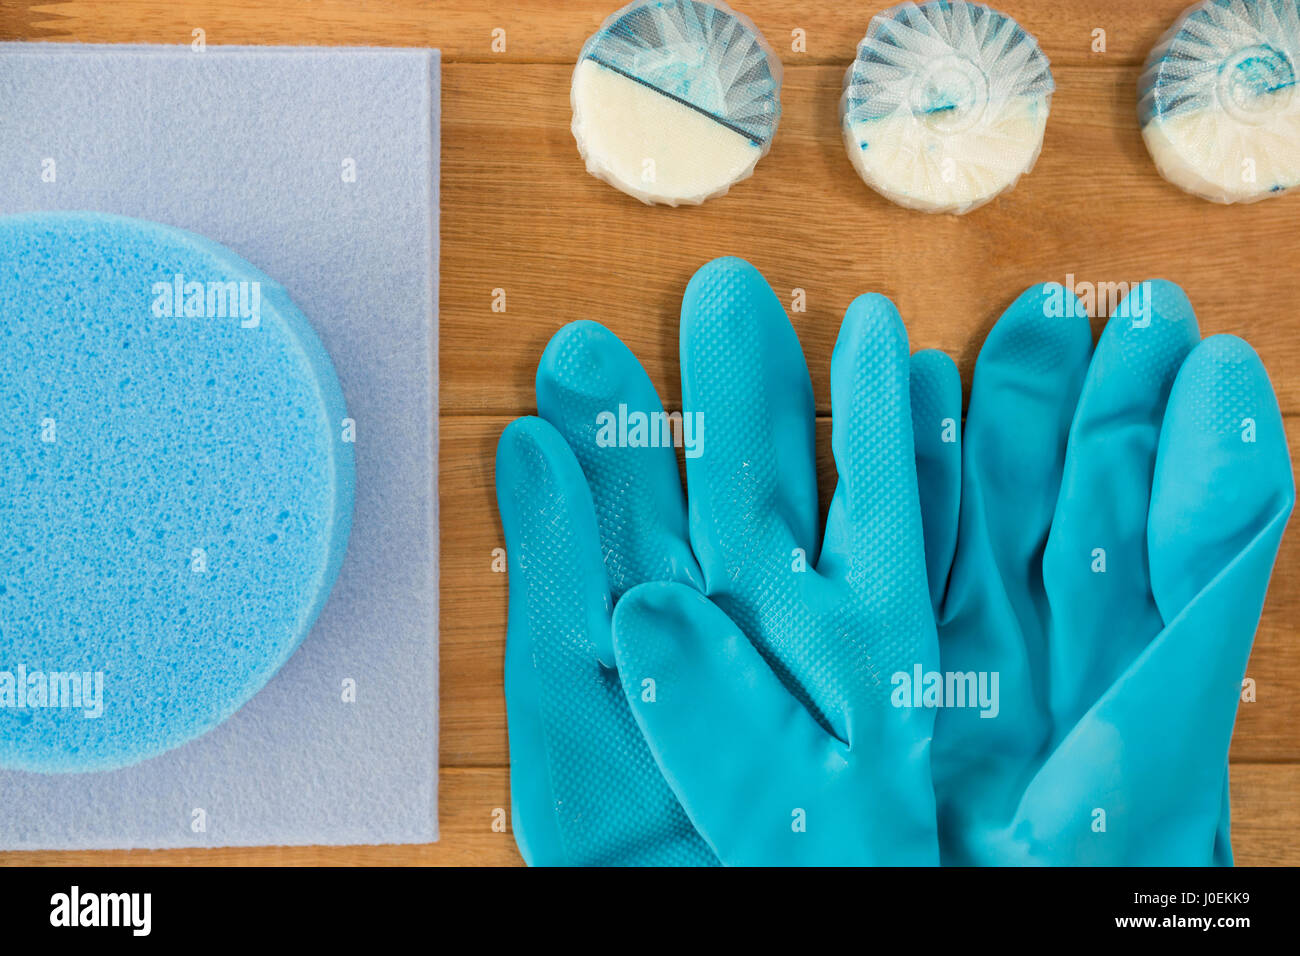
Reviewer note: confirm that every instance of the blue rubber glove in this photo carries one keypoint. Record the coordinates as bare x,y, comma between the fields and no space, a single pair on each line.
1120,513
777,732
585,790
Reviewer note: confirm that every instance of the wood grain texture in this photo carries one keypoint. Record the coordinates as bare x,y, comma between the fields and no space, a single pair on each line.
520,214
552,31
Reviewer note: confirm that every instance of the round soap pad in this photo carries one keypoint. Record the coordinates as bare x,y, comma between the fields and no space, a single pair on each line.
175,487
1218,104
945,105
674,101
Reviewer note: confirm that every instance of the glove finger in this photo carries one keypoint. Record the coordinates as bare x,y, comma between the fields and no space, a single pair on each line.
755,772
1222,493
875,547
936,426
1223,481
753,491
599,398
1095,565
873,527
584,787
1026,385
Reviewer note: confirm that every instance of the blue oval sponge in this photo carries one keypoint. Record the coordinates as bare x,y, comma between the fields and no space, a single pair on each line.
176,487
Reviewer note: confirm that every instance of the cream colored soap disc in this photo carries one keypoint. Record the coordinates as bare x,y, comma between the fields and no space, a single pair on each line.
1219,107
945,105
675,101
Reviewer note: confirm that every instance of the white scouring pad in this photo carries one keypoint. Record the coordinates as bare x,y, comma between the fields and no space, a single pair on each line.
1218,102
674,101
945,106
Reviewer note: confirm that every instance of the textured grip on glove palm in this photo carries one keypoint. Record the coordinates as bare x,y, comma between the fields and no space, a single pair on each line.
587,521
584,787
770,710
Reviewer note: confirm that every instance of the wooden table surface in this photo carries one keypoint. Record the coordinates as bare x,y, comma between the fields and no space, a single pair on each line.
521,214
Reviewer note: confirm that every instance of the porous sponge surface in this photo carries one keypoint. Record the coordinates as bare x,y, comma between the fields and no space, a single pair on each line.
175,490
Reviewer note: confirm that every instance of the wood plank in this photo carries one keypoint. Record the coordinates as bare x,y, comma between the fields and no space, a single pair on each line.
1264,814
547,31
1263,807
521,214
474,602
19,22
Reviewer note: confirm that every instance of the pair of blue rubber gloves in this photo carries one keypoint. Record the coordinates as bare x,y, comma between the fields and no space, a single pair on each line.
1018,644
